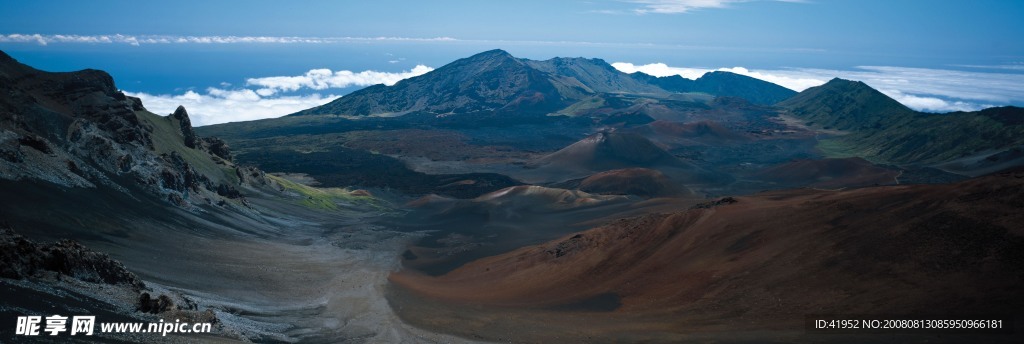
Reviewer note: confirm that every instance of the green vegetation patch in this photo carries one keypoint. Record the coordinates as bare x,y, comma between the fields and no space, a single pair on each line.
329,198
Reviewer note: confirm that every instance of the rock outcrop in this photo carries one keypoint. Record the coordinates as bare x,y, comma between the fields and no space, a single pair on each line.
21,258
75,129
185,125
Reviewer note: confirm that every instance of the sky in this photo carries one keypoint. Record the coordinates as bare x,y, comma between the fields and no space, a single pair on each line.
231,61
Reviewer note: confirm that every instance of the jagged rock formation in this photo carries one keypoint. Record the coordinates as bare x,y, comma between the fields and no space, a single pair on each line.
21,258
76,129
185,125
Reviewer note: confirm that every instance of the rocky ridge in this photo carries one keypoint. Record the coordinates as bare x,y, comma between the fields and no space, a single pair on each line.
75,129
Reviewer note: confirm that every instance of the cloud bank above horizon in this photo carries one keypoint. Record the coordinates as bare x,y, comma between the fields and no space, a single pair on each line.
923,89
222,105
680,6
137,40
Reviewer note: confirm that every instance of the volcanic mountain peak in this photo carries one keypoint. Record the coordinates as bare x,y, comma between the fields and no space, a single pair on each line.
486,83
642,182
859,88
881,129
844,104
610,150
493,53
474,65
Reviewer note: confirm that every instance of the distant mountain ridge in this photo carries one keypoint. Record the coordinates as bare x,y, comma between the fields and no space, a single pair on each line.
495,82
721,83
596,75
880,128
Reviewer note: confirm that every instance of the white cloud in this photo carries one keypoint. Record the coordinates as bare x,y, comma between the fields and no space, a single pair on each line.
932,104
660,70
1012,67
685,6
138,40
320,79
175,39
222,106
219,105
925,89
679,6
793,82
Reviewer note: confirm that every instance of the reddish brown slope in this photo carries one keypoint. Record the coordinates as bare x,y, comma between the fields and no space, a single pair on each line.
767,260
632,181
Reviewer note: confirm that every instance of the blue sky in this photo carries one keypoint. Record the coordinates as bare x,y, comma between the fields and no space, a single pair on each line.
229,60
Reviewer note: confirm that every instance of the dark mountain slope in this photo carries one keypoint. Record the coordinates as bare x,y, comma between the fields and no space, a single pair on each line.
734,85
881,129
692,133
828,173
847,105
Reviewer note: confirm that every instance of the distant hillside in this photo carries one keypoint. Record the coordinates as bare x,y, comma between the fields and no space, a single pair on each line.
642,182
692,133
496,83
828,173
721,83
608,151
881,129
596,74
605,151
847,105
490,81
